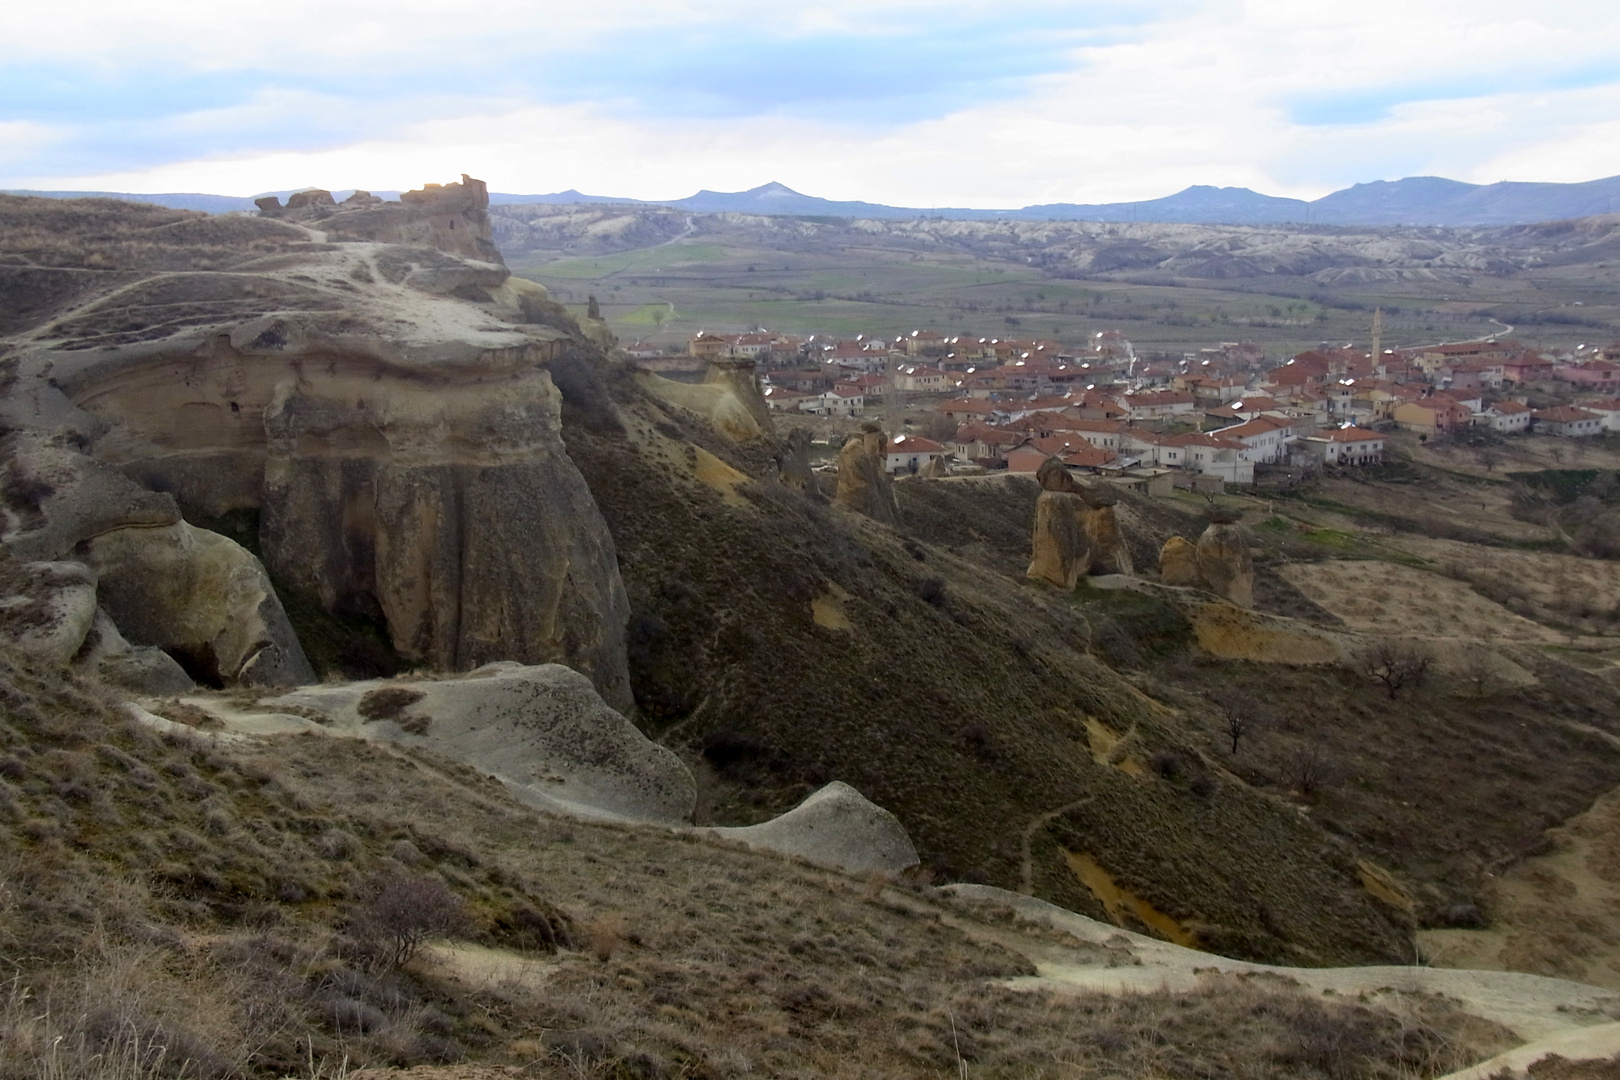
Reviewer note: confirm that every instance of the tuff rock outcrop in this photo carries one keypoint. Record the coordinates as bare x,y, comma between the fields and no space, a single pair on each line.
1224,562
863,483
729,397
377,402
156,580
542,730
837,827
1178,563
793,461
1219,561
1109,555
1076,532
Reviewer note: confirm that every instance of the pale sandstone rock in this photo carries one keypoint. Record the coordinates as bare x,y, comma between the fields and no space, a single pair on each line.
1224,563
863,483
1109,555
1178,563
200,596
543,730
401,444
937,468
1061,546
144,669
48,609
836,827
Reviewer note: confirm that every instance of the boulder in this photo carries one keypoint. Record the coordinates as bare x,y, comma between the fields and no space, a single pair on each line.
1053,475
542,730
1062,545
863,483
47,608
202,598
836,827
1178,563
1224,563
1109,555
144,669
937,468
163,583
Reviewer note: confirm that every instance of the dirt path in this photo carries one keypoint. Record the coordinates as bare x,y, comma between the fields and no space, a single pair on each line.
1026,866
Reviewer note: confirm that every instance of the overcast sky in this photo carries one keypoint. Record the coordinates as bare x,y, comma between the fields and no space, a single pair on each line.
908,102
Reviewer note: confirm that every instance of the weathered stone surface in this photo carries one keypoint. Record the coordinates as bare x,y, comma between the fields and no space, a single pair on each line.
381,402
1062,546
863,483
164,583
1053,475
740,411
202,598
793,461
1109,554
836,827
1178,563
47,608
455,515
1224,563
937,468
144,669
543,730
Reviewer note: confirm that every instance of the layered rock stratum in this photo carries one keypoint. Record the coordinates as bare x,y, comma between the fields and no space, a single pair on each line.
364,381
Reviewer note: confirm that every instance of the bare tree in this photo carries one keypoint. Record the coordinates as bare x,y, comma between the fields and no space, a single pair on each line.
1237,724
1490,458
404,913
1479,669
1399,665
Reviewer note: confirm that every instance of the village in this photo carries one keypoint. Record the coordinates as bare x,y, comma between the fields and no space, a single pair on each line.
1226,415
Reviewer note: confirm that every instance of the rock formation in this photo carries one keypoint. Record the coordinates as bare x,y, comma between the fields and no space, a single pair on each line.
452,218
542,730
1219,562
937,468
1062,547
836,827
1224,562
863,483
793,461
729,398
1109,555
383,411
1178,563
158,581
1076,530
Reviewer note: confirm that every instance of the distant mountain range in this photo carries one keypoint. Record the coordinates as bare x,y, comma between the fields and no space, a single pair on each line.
1417,200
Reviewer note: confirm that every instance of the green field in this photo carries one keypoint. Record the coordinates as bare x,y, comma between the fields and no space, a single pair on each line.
887,292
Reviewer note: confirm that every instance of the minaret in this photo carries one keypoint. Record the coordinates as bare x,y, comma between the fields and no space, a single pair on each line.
1378,338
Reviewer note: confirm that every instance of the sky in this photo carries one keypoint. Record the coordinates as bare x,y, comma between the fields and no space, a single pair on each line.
924,103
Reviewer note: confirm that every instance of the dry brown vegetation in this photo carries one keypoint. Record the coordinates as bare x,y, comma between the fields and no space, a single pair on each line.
174,907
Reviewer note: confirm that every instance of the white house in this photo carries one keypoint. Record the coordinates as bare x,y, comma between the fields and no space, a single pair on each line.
1510,417
1265,439
910,453
1345,446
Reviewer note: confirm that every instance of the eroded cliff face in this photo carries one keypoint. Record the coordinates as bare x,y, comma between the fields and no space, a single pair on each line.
384,411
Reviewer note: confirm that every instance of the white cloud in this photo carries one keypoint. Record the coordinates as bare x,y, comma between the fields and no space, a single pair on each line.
1224,92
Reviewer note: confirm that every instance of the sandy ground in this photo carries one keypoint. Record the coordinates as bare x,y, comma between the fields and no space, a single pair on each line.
1387,598
1555,914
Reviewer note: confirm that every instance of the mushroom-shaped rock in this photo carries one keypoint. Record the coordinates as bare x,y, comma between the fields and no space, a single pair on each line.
543,730
1178,563
1061,549
1109,555
863,483
837,827
1224,563
1053,475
